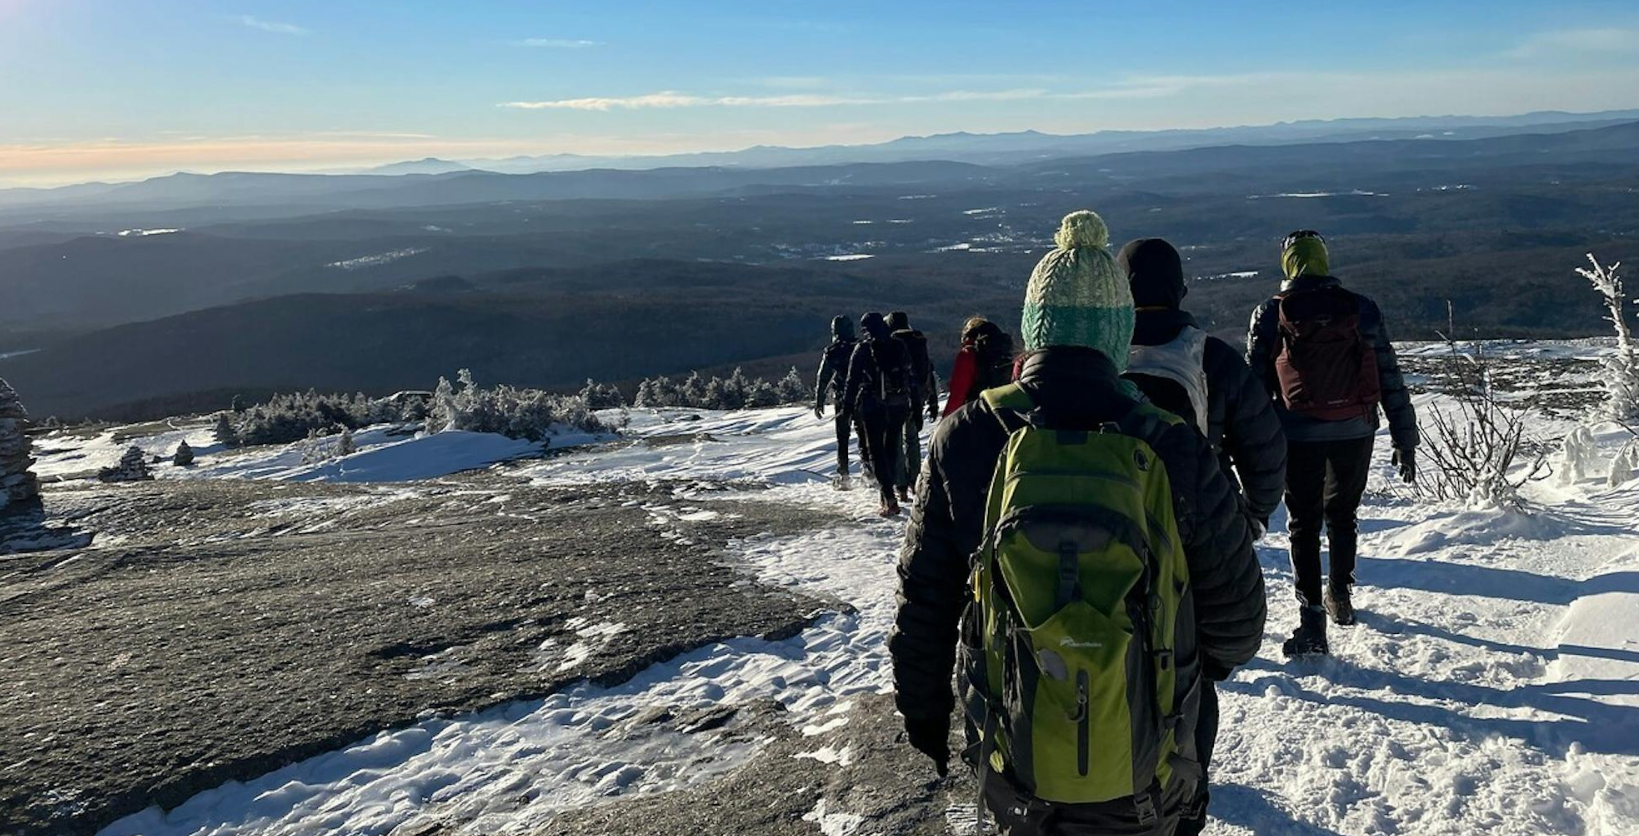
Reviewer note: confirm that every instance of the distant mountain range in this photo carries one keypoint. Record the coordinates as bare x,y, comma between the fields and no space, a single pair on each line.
190,199
975,148
1022,146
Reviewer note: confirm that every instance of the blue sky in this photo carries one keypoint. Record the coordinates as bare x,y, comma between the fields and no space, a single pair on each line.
125,88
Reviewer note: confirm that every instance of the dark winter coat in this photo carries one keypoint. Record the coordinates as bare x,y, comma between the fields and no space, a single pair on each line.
1241,421
947,523
1263,344
876,359
926,382
833,371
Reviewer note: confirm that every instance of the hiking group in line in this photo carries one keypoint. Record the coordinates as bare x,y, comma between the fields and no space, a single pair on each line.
1079,558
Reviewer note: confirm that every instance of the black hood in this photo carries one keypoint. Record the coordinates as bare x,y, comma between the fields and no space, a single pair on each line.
1155,272
842,328
899,321
874,325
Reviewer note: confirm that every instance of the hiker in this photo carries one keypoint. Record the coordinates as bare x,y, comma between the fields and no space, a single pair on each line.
984,361
1326,358
880,390
1205,381
831,382
1115,545
924,393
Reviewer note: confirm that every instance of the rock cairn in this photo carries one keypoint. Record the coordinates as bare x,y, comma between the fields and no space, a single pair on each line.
17,483
184,455
133,467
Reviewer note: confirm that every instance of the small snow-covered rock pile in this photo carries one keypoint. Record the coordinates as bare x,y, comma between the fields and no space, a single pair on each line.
17,483
133,467
183,456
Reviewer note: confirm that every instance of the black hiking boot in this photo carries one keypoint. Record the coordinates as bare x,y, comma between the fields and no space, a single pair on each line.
1338,605
1309,639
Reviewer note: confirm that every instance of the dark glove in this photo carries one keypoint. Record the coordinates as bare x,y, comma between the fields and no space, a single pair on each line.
931,737
819,411
1406,460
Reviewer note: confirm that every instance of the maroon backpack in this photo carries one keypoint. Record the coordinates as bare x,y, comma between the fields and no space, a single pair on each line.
1326,367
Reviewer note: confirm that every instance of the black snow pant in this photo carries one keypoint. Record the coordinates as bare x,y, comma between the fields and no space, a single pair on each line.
1113,818
1206,738
1325,481
910,464
884,435
845,431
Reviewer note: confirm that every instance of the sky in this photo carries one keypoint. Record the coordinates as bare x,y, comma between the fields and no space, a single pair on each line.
122,89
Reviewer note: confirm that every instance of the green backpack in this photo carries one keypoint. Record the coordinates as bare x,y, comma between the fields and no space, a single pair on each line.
1081,603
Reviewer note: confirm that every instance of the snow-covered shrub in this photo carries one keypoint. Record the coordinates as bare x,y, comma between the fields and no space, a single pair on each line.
1581,453
321,446
602,395
737,391
1626,464
293,417
1475,444
529,414
1622,369
183,456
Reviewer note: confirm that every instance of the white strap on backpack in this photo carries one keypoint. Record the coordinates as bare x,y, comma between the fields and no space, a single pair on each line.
1182,361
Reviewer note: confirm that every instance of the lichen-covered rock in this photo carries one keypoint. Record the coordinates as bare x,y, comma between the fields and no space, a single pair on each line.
17,483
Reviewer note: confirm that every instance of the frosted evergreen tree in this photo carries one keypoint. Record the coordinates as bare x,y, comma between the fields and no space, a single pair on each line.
224,432
601,395
345,445
792,389
184,455
1622,370
1626,464
1581,455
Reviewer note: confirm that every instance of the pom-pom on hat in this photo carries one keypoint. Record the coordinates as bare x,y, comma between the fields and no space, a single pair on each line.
1078,295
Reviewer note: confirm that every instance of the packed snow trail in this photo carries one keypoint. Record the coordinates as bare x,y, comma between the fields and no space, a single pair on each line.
1492,684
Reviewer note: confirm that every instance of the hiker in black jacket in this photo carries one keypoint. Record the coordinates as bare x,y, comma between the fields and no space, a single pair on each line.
1325,356
1070,375
1241,422
1205,380
924,393
831,382
880,391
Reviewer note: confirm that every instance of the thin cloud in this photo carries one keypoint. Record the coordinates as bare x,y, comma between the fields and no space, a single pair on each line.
557,43
671,99
272,26
1607,40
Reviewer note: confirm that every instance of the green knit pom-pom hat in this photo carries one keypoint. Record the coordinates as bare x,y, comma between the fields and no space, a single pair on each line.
1077,294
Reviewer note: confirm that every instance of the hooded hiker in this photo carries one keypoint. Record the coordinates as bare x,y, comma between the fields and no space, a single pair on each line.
925,394
1084,552
1325,356
831,383
1205,381
881,389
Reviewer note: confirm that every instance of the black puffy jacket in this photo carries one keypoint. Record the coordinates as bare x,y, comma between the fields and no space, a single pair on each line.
1263,344
1241,420
947,523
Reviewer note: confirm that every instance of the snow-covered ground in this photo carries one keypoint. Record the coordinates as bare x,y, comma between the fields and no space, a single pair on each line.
385,454
1492,684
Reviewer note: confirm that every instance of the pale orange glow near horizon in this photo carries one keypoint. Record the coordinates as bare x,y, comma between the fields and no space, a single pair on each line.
46,164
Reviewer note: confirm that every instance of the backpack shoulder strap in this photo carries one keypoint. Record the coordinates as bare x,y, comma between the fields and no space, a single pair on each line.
1147,422
1011,404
